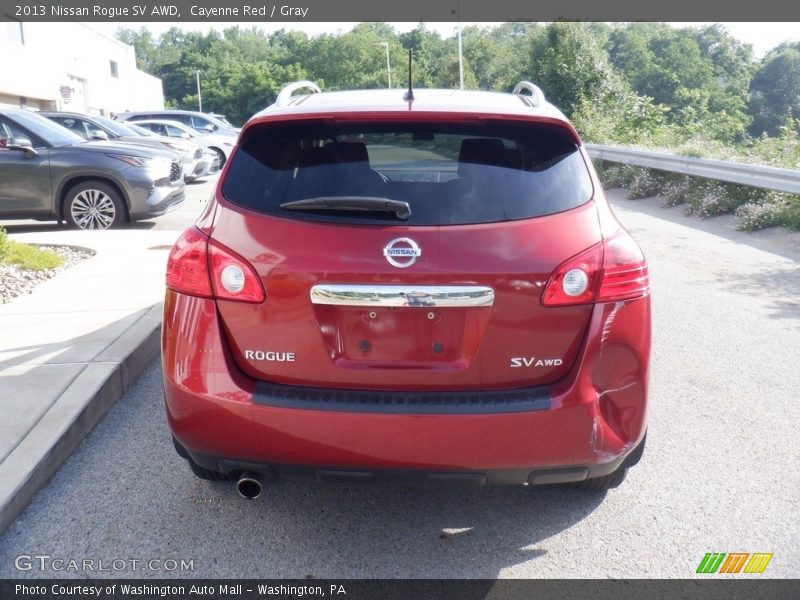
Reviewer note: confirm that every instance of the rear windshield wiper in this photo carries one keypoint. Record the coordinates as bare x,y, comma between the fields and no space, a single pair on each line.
352,203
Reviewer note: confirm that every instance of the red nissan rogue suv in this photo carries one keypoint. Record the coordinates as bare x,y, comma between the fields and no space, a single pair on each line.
426,286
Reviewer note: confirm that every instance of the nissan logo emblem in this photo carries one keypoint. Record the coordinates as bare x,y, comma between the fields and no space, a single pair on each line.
402,252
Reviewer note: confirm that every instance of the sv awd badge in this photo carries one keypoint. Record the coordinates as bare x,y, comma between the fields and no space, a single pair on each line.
532,361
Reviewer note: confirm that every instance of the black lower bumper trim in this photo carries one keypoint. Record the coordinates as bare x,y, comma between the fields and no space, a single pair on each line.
410,477
426,477
393,402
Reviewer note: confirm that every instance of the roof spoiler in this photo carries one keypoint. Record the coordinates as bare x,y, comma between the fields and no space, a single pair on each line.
285,95
536,97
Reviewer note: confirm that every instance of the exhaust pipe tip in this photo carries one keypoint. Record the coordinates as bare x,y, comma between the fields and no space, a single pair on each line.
249,485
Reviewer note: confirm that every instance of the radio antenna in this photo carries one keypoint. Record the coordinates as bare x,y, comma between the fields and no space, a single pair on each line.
409,95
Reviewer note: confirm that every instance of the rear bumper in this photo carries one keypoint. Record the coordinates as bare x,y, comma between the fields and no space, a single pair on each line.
412,477
591,421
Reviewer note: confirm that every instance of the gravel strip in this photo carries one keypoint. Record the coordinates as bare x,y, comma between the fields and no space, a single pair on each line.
15,281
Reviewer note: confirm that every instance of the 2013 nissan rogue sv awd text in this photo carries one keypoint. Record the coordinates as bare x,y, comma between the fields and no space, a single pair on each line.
428,287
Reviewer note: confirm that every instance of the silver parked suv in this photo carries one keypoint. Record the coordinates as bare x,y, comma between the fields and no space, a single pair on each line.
200,122
49,173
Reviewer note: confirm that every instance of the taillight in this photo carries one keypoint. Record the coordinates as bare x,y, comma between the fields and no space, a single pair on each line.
614,269
232,276
624,270
187,266
562,289
198,266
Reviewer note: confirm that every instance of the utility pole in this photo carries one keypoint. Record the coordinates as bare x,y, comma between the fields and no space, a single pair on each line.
460,53
200,98
388,64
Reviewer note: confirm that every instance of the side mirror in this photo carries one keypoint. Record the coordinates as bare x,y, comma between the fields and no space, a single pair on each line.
185,136
24,144
100,135
208,129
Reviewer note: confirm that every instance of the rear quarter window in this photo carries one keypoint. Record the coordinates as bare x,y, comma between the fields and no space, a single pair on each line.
449,174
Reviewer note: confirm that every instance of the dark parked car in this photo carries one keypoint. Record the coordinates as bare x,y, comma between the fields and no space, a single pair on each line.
96,127
432,289
50,173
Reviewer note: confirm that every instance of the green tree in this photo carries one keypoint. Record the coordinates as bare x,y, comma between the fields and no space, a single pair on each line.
145,47
569,62
289,47
449,75
355,60
493,54
775,91
702,75
427,47
572,68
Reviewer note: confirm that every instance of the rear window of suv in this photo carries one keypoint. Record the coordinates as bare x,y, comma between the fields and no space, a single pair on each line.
446,173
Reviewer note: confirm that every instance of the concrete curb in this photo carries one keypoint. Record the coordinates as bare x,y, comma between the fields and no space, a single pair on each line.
79,408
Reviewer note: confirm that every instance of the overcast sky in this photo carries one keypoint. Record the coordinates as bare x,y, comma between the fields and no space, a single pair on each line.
762,36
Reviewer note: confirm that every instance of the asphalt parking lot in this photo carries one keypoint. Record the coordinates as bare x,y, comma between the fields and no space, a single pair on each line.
718,474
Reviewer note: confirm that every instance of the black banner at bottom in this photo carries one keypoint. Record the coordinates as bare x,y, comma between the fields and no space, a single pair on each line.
397,589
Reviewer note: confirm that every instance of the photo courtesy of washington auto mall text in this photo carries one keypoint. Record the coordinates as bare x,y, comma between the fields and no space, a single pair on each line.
74,591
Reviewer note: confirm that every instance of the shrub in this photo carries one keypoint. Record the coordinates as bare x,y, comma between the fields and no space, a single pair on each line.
679,190
742,194
758,216
755,208
614,175
4,244
651,182
776,209
790,216
720,198
646,183
711,201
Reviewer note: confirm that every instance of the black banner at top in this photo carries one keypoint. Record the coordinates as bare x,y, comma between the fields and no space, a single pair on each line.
266,11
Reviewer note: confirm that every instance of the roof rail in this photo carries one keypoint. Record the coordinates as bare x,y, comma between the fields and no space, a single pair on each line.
285,95
537,95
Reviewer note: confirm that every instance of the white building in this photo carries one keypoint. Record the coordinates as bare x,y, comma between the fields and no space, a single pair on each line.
69,66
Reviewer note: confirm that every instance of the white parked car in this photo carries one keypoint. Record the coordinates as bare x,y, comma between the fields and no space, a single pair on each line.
203,161
217,143
224,135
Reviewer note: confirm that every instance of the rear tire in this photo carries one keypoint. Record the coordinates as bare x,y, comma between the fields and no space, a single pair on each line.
93,205
199,471
607,482
612,480
208,474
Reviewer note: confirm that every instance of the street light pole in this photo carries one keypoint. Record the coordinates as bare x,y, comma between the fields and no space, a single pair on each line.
388,64
460,59
199,97
460,53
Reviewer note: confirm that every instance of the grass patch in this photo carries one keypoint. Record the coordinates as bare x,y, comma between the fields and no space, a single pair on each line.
30,257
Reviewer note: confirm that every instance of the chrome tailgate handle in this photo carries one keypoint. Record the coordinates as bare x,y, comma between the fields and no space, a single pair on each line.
416,296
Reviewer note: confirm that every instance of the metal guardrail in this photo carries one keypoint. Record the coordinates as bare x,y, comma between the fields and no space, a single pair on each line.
771,178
